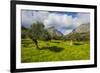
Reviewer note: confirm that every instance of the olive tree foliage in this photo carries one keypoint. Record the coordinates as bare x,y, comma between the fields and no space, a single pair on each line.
37,32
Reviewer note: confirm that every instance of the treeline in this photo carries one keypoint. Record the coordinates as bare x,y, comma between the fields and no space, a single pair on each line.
78,36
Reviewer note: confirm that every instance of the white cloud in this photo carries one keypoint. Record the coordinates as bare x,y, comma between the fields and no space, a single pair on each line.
26,18
29,17
81,18
58,20
40,15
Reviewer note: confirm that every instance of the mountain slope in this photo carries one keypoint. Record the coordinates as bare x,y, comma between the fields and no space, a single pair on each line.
82,28
54,33
82,32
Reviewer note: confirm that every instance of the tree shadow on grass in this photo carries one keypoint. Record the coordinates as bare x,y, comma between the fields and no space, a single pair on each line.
55,42
53,48
78,43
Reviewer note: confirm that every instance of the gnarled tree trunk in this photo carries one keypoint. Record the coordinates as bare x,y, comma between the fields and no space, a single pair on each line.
36,43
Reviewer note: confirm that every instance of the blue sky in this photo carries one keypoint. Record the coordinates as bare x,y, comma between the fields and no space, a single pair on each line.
65,22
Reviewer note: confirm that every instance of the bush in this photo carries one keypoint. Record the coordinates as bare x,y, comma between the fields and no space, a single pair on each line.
23,34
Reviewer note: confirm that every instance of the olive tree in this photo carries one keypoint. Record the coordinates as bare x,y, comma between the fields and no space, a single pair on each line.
35,32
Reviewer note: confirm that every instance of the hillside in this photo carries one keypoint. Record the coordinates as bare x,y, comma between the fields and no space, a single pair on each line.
82,28
82,32
54,33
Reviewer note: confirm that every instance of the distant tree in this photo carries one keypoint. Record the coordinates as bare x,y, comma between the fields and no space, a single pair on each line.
36,31
73,37
23,32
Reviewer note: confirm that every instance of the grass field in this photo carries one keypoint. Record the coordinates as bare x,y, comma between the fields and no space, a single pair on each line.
55,50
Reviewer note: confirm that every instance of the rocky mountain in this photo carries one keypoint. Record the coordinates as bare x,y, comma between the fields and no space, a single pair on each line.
54,33
82,32
82,28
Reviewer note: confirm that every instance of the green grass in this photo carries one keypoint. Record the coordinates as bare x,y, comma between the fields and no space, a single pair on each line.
55,50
